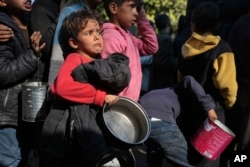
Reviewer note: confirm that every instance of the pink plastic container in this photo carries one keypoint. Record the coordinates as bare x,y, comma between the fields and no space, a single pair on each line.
212,138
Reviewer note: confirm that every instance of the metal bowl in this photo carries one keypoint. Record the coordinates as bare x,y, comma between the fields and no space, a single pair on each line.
125,123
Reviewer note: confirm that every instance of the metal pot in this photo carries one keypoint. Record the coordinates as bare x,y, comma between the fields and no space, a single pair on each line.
34,101
125,124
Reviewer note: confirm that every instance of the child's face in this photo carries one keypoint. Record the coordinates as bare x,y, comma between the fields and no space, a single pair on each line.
19,5
89,41
126,15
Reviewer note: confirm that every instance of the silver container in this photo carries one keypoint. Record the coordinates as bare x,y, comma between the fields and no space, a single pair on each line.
125,123
34,98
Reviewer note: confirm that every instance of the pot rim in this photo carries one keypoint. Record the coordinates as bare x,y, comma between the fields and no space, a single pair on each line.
143,112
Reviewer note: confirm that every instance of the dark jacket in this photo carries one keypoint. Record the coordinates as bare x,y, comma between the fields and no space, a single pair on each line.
17,64
111,74
239,41
44,17
164,66
203,67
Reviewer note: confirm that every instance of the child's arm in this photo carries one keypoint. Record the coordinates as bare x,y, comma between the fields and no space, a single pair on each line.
196,91
147,43
66,87
16,67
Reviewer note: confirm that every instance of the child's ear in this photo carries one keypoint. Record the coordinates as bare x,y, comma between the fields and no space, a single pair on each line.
113,8
2,3
72,43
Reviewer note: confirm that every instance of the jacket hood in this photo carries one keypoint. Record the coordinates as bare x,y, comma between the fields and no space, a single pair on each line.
198,44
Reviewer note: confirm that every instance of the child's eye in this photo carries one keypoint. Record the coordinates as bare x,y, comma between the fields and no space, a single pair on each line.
133,5
88,33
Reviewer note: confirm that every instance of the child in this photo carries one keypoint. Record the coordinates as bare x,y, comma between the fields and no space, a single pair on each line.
123,14
164,66
82,100
210,60
165,133
19,59
57,55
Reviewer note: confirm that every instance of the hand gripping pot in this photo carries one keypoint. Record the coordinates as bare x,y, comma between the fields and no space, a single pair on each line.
125,124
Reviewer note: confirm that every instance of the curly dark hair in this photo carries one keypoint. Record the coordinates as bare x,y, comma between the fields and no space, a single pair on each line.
73,24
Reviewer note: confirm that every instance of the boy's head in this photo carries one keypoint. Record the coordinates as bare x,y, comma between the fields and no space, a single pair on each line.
80,33
123,13
13,7
205,17
162,21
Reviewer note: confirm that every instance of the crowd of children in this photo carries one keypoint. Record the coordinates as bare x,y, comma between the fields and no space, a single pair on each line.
77,51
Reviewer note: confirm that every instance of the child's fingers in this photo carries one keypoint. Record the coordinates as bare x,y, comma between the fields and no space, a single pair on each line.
6,33
42,46
36,37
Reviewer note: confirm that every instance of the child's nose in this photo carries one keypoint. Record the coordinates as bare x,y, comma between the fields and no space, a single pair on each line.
97,36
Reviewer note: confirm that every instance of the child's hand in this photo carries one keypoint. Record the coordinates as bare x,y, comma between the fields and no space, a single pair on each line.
6,33
35,42
111,99
212,115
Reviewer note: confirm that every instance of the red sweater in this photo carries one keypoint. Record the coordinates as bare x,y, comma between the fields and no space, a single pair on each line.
65,87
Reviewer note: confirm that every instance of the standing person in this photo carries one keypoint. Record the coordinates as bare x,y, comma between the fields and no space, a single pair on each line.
165,135
210,60
85,145
43,18
239,42
146,63
181,35
164,66
57,56
19,62
122,15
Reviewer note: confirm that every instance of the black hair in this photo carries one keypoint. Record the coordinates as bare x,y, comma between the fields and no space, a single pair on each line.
73,24
162,21
206,17
107,2
118,3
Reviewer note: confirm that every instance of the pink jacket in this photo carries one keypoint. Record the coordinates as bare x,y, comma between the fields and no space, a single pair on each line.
119,40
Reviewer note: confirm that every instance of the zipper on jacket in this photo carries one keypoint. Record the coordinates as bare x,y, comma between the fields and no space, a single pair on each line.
6,98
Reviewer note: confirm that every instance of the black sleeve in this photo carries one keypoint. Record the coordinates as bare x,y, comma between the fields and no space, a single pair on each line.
15,67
